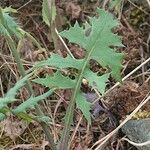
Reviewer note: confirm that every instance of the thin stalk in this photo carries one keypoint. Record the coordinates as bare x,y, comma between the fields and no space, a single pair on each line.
70,108
13,49
53,25
34,40
31,38
55,38
12,46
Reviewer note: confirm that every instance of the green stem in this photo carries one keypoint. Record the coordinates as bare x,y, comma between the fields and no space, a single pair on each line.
31,38
55,38
15,53
34,40
29,87
69,112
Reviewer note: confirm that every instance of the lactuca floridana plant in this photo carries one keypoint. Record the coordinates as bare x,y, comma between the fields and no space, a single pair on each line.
99,42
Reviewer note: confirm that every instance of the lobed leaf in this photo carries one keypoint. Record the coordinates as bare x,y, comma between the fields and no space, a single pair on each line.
13,91
59,62
84,106
97,82
56,81
98,41
76,35
9,23
31,102
10,96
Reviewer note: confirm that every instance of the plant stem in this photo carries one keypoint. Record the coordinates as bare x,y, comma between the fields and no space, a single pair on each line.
31,38
15,53
34,40
29,87
69,112
13,49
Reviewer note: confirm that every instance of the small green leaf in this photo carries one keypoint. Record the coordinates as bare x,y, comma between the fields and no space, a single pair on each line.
31,102
13,91
46,12
97,82
43,118
25,116
9,10
2,116
9,23
3,111
57,81
10,96
76,35
59,62
84,106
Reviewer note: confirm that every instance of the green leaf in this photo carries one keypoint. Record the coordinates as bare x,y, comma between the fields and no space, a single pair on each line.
13,91
48,12
10,96
4,101
2,116
3,30
98,41
30,118
45,12
31,102
9,10
84,106
57,81
43,118
3,111
97,82
76,35
25,116
9,23
59,62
